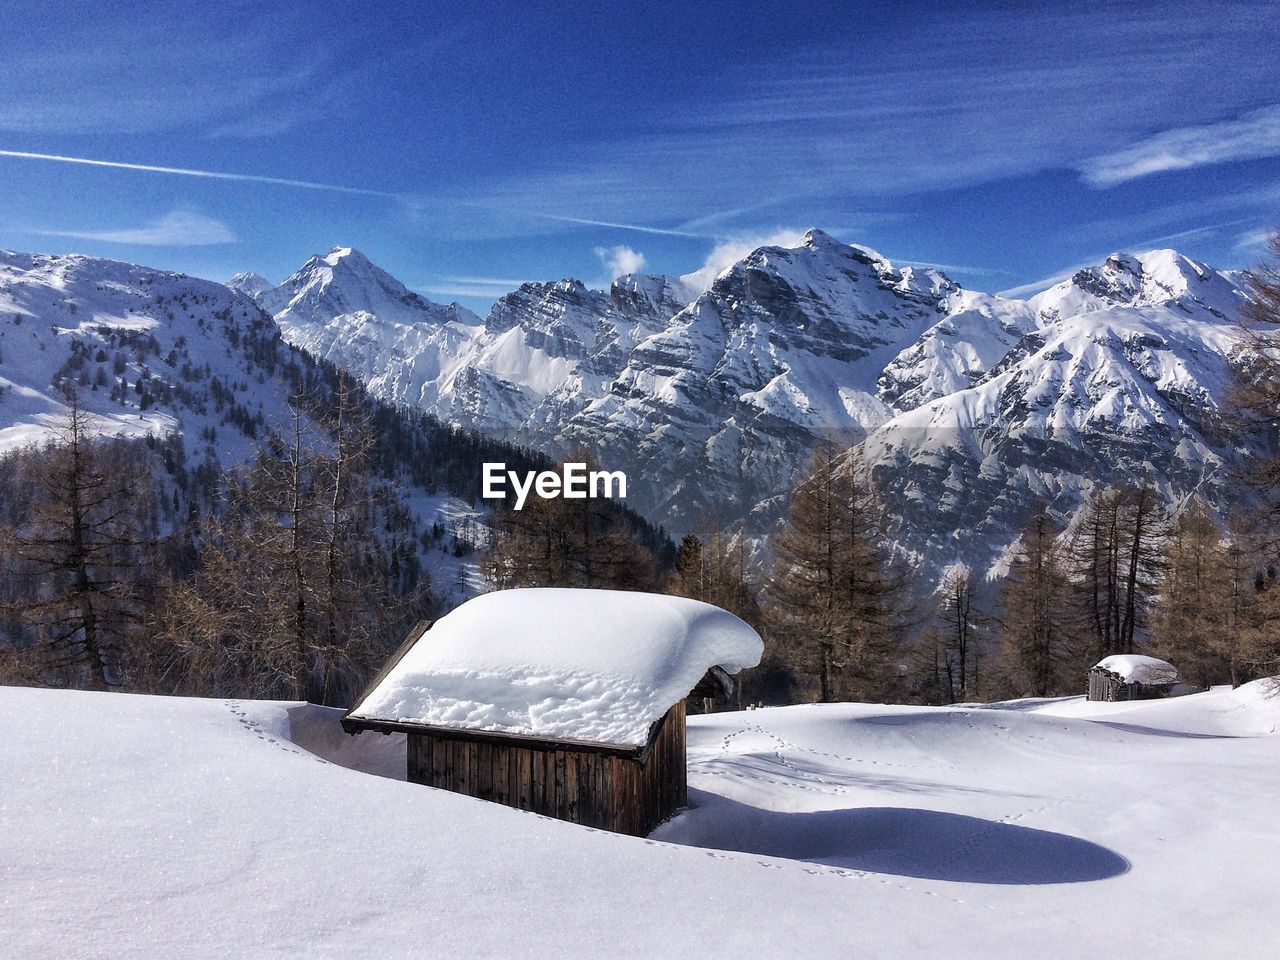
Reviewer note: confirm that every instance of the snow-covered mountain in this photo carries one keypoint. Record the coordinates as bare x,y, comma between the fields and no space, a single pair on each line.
710,404
185,361
718,411
544,351
340,307
151,352
1121,377
971,405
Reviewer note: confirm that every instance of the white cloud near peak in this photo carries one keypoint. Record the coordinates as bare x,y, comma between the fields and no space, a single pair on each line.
729,251
1254,240
620,260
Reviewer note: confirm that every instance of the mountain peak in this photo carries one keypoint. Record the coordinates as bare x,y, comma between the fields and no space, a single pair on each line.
658,289
820,240
1148,278
250,283
1120,262
345,282
347,256
813,237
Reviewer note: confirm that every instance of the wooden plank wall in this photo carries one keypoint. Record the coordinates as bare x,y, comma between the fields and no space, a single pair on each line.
1105,685
595,789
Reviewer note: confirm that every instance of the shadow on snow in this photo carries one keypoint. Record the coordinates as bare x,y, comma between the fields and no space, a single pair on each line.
927,844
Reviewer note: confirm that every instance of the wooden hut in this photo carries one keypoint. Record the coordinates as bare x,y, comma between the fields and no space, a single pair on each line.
567,703
1131,677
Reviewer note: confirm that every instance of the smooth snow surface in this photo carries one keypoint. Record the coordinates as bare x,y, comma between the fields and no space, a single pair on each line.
1135,668
147,828
588,665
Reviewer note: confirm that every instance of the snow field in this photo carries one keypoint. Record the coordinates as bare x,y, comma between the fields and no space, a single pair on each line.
145,827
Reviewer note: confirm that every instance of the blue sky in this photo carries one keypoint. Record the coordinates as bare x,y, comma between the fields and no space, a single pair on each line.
468,147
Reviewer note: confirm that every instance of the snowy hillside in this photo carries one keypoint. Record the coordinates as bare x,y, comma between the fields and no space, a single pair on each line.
973,401
170,356
248,829
148,351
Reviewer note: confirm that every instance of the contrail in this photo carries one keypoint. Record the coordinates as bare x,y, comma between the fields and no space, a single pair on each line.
189,172
313,185
618,226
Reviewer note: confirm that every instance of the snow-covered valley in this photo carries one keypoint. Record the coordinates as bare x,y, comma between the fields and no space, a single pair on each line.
147,827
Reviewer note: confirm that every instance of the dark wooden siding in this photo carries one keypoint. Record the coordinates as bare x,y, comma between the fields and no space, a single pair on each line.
590,787
1105,685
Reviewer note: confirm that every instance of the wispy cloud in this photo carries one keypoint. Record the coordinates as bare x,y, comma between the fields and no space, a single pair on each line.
720,216
177,229
1195,233
1044,283
620,260
634,227
960,99
194,172
1247,137
947,267
728,252
1253,241
1256,202
504,282
234,70
488,288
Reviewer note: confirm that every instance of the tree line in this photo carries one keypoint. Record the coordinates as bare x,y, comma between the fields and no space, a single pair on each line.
293,575
275,579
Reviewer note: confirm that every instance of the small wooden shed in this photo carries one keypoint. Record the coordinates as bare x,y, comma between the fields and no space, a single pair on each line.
1131,676
568,703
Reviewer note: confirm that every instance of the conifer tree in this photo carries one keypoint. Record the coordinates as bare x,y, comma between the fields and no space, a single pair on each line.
1034,599
564,542
839,602
83,549
1196,620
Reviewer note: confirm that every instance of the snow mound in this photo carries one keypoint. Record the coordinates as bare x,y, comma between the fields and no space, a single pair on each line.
1135,668
587,665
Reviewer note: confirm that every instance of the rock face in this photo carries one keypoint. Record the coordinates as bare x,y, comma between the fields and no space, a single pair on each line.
1119,378
971,405
717,411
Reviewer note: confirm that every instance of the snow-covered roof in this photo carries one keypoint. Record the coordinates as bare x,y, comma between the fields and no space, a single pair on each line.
595,666
1135,668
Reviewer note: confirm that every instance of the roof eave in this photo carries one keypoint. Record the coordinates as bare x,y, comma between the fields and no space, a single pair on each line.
353,725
